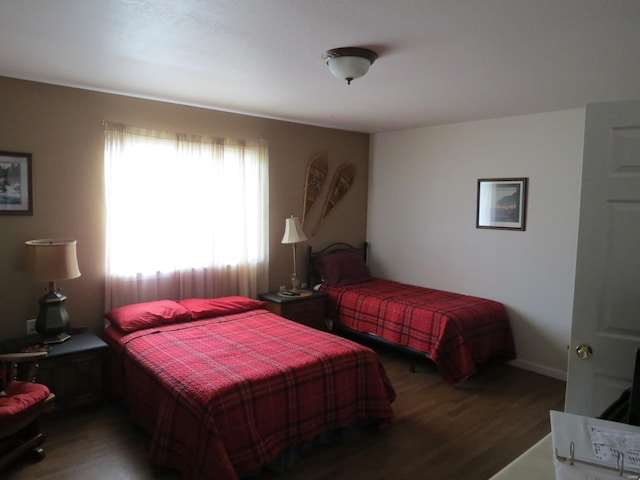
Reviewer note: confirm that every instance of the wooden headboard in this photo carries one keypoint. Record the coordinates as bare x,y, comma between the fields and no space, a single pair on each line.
312,276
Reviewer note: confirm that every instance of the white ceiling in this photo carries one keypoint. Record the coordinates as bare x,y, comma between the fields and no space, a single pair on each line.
440,61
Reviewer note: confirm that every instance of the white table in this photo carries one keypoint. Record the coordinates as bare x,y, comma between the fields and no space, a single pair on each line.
534,464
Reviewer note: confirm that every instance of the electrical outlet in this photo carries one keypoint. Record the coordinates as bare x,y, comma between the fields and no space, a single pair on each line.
31,326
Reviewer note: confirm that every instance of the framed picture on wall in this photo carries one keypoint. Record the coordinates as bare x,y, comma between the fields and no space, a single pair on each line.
502,203
15,184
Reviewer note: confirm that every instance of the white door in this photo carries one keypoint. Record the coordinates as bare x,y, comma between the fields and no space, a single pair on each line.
606,310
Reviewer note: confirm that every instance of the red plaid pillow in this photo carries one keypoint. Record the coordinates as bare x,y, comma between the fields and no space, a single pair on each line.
217,307
137,316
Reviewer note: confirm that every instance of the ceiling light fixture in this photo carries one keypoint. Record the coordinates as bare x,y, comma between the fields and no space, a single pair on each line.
349,63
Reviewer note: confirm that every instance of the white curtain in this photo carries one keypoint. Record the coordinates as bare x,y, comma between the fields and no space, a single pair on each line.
187,216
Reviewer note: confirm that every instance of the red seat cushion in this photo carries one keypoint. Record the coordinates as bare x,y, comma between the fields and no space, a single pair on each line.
20,396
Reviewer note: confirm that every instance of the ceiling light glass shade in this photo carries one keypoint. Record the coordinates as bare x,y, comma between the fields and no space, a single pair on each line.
348,68
349,63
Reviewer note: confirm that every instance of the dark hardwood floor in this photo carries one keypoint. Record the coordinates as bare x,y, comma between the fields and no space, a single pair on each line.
440,432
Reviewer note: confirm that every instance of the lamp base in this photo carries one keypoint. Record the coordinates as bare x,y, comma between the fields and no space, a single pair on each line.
295,283
53,318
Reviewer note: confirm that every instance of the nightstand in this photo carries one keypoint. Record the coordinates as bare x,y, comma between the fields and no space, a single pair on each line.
72,370
308,309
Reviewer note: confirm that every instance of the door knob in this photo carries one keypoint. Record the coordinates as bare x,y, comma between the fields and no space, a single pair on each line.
584,351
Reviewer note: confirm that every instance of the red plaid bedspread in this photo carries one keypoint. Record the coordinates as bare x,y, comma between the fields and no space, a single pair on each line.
456,331
224,396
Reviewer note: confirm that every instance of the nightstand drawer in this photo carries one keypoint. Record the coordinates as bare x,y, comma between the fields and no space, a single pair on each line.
76,379
308,310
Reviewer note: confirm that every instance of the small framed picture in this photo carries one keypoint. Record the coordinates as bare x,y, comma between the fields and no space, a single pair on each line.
15,184
502,203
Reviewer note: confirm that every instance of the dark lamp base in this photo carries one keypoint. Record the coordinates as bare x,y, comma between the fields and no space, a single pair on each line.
53,318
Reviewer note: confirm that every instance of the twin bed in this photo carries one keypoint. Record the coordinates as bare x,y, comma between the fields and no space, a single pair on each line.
227,389
457,332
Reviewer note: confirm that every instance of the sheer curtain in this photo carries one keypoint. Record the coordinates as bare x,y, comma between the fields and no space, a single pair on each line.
187,215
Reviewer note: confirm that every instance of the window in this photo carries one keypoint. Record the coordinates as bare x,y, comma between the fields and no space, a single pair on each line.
187,215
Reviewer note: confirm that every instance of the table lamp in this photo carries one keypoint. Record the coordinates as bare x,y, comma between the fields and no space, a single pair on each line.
51,260
293,234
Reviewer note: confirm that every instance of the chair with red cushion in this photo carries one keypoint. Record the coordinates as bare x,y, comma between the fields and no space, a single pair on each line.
22,402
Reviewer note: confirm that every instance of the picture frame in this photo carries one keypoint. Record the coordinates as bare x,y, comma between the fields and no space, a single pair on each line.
502,203
16,196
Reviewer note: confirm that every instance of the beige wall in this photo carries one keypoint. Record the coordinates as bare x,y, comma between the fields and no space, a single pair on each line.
62,128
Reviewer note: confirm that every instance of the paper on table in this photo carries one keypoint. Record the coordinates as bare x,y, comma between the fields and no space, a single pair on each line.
594,445
607,442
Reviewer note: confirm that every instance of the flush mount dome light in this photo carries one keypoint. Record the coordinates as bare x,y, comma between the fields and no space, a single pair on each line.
349,63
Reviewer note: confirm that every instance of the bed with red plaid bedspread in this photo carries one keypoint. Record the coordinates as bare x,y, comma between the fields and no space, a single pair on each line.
456,331
224,396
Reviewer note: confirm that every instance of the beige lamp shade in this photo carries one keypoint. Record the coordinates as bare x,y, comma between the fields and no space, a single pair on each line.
293,234
293,231
50,259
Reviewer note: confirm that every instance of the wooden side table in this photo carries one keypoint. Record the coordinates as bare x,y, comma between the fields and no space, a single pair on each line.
72,370
307,309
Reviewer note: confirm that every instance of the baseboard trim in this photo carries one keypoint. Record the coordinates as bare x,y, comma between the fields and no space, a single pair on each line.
541,369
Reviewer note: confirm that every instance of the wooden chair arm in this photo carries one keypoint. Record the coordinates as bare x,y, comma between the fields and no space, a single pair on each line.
22,357
22,366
